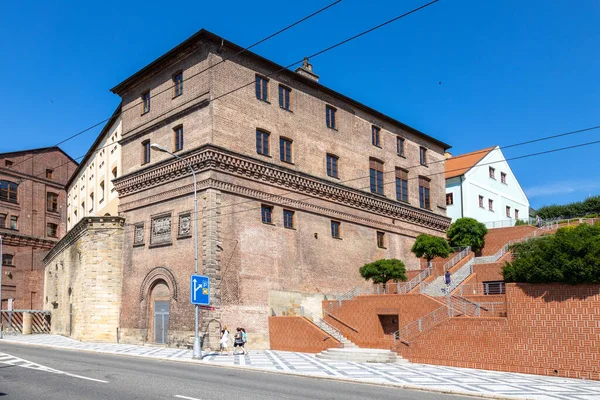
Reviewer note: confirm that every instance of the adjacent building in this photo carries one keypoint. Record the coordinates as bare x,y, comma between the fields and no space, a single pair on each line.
32,219
481,185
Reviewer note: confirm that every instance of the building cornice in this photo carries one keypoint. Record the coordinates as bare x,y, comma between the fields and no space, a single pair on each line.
79,229
14,238
212,158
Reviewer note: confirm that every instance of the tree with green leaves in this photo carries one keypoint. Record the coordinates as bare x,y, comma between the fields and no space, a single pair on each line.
382,271
467,232
430,247
572,255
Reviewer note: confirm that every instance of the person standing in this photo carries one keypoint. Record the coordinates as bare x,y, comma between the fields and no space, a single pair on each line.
238,340
448,280
245,340
223,343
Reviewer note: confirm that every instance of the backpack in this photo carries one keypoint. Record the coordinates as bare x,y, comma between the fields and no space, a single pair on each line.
244,337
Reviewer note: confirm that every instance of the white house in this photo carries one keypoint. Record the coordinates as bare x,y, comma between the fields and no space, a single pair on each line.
481,185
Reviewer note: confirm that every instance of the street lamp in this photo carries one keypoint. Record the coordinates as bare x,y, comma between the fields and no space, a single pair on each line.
197,354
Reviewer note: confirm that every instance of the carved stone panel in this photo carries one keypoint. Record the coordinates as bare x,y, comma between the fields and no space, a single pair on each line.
185,225
161,230
138,235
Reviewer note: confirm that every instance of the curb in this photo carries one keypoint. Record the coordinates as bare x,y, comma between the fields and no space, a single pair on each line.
276,371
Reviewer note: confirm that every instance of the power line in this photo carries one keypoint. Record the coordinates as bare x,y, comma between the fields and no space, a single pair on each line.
202,71
385,183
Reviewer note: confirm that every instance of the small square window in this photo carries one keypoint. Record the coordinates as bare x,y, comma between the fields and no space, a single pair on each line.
262,88
481,201
516,214
49,173
491,204
13,222
288,219
51,230
178,136
376,136
178,84
52,202
8,163
400,146
2,220
423,156
503,177
492,173
266,214
381,240
146,102
508,211
330,117
285,97
335,229
285,150
7,259
449,199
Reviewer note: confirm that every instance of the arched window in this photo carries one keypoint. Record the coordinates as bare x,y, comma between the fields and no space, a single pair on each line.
8,191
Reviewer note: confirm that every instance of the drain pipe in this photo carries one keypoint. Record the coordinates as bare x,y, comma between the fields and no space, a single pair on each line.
462,203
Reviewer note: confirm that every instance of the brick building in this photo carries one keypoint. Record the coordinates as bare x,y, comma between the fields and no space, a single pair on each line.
298,187
32,219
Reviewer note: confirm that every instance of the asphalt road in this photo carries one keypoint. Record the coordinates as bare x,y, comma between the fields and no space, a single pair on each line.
119,377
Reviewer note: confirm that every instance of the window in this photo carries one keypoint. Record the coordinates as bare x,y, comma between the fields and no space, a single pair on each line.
401,185
335,229
8,163
508,211
7,259
146,102
266,213
52,202
330,117
449,199
114,173
13,222
503,177
8,191
178,84
492,173
51,229
516,214
101,192
288,219
145,152
49,173
423,156
332,165
262,88
91,202
491,204
284,97
285,150
376,176
381,240
376,136
400,146
83,209
481,201
262,142
424,194
178,133
2,220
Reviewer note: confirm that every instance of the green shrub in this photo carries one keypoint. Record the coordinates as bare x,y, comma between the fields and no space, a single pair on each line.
521,222
572,256
467,232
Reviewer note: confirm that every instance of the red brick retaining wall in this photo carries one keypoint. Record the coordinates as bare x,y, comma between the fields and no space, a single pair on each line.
298,334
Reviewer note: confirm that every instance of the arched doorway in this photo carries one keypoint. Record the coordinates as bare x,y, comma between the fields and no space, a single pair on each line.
159,305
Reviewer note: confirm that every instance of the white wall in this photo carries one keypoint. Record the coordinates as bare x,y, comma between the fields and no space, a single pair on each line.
477,182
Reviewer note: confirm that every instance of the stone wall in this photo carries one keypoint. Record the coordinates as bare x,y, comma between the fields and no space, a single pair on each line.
83,280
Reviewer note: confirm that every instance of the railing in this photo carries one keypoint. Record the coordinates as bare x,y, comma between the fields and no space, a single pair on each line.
457,258
485,288
336,334
13,320
439,288
422,324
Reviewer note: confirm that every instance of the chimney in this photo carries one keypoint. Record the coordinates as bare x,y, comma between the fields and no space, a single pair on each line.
307,70
447,155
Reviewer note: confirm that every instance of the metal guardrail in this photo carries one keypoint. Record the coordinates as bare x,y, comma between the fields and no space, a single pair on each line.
485,288
334,332
457,258
439,288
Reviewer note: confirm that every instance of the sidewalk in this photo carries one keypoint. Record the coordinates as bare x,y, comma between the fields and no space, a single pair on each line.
462,381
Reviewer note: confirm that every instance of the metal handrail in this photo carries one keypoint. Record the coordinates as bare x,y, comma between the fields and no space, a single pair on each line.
481,289
321,324
457,258
457,278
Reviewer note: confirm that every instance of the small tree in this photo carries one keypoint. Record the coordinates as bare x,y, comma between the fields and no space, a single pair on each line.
467,232
381,271
430,247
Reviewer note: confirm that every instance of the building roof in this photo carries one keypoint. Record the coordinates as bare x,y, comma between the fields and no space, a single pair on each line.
460,165
203,34
38,150
92,150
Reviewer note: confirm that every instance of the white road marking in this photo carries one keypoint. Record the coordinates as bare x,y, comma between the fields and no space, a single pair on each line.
19,362
185,397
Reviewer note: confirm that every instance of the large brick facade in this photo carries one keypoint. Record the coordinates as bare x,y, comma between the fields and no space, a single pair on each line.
25,218
244,257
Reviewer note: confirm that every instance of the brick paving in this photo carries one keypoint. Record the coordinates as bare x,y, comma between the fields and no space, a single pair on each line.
418,376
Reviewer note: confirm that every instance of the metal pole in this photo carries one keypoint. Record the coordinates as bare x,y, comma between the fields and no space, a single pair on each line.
1,262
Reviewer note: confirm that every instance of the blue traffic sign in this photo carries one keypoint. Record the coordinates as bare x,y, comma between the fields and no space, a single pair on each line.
200,290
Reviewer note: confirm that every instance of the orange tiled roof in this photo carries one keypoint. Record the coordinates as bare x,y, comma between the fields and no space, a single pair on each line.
459,165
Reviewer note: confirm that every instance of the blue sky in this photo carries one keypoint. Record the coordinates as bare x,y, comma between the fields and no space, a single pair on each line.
509,70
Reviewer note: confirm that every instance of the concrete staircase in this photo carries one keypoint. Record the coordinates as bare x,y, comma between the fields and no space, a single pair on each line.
324,326
438,286
361,355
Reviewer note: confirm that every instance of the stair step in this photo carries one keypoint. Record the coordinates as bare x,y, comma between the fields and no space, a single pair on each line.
361,355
